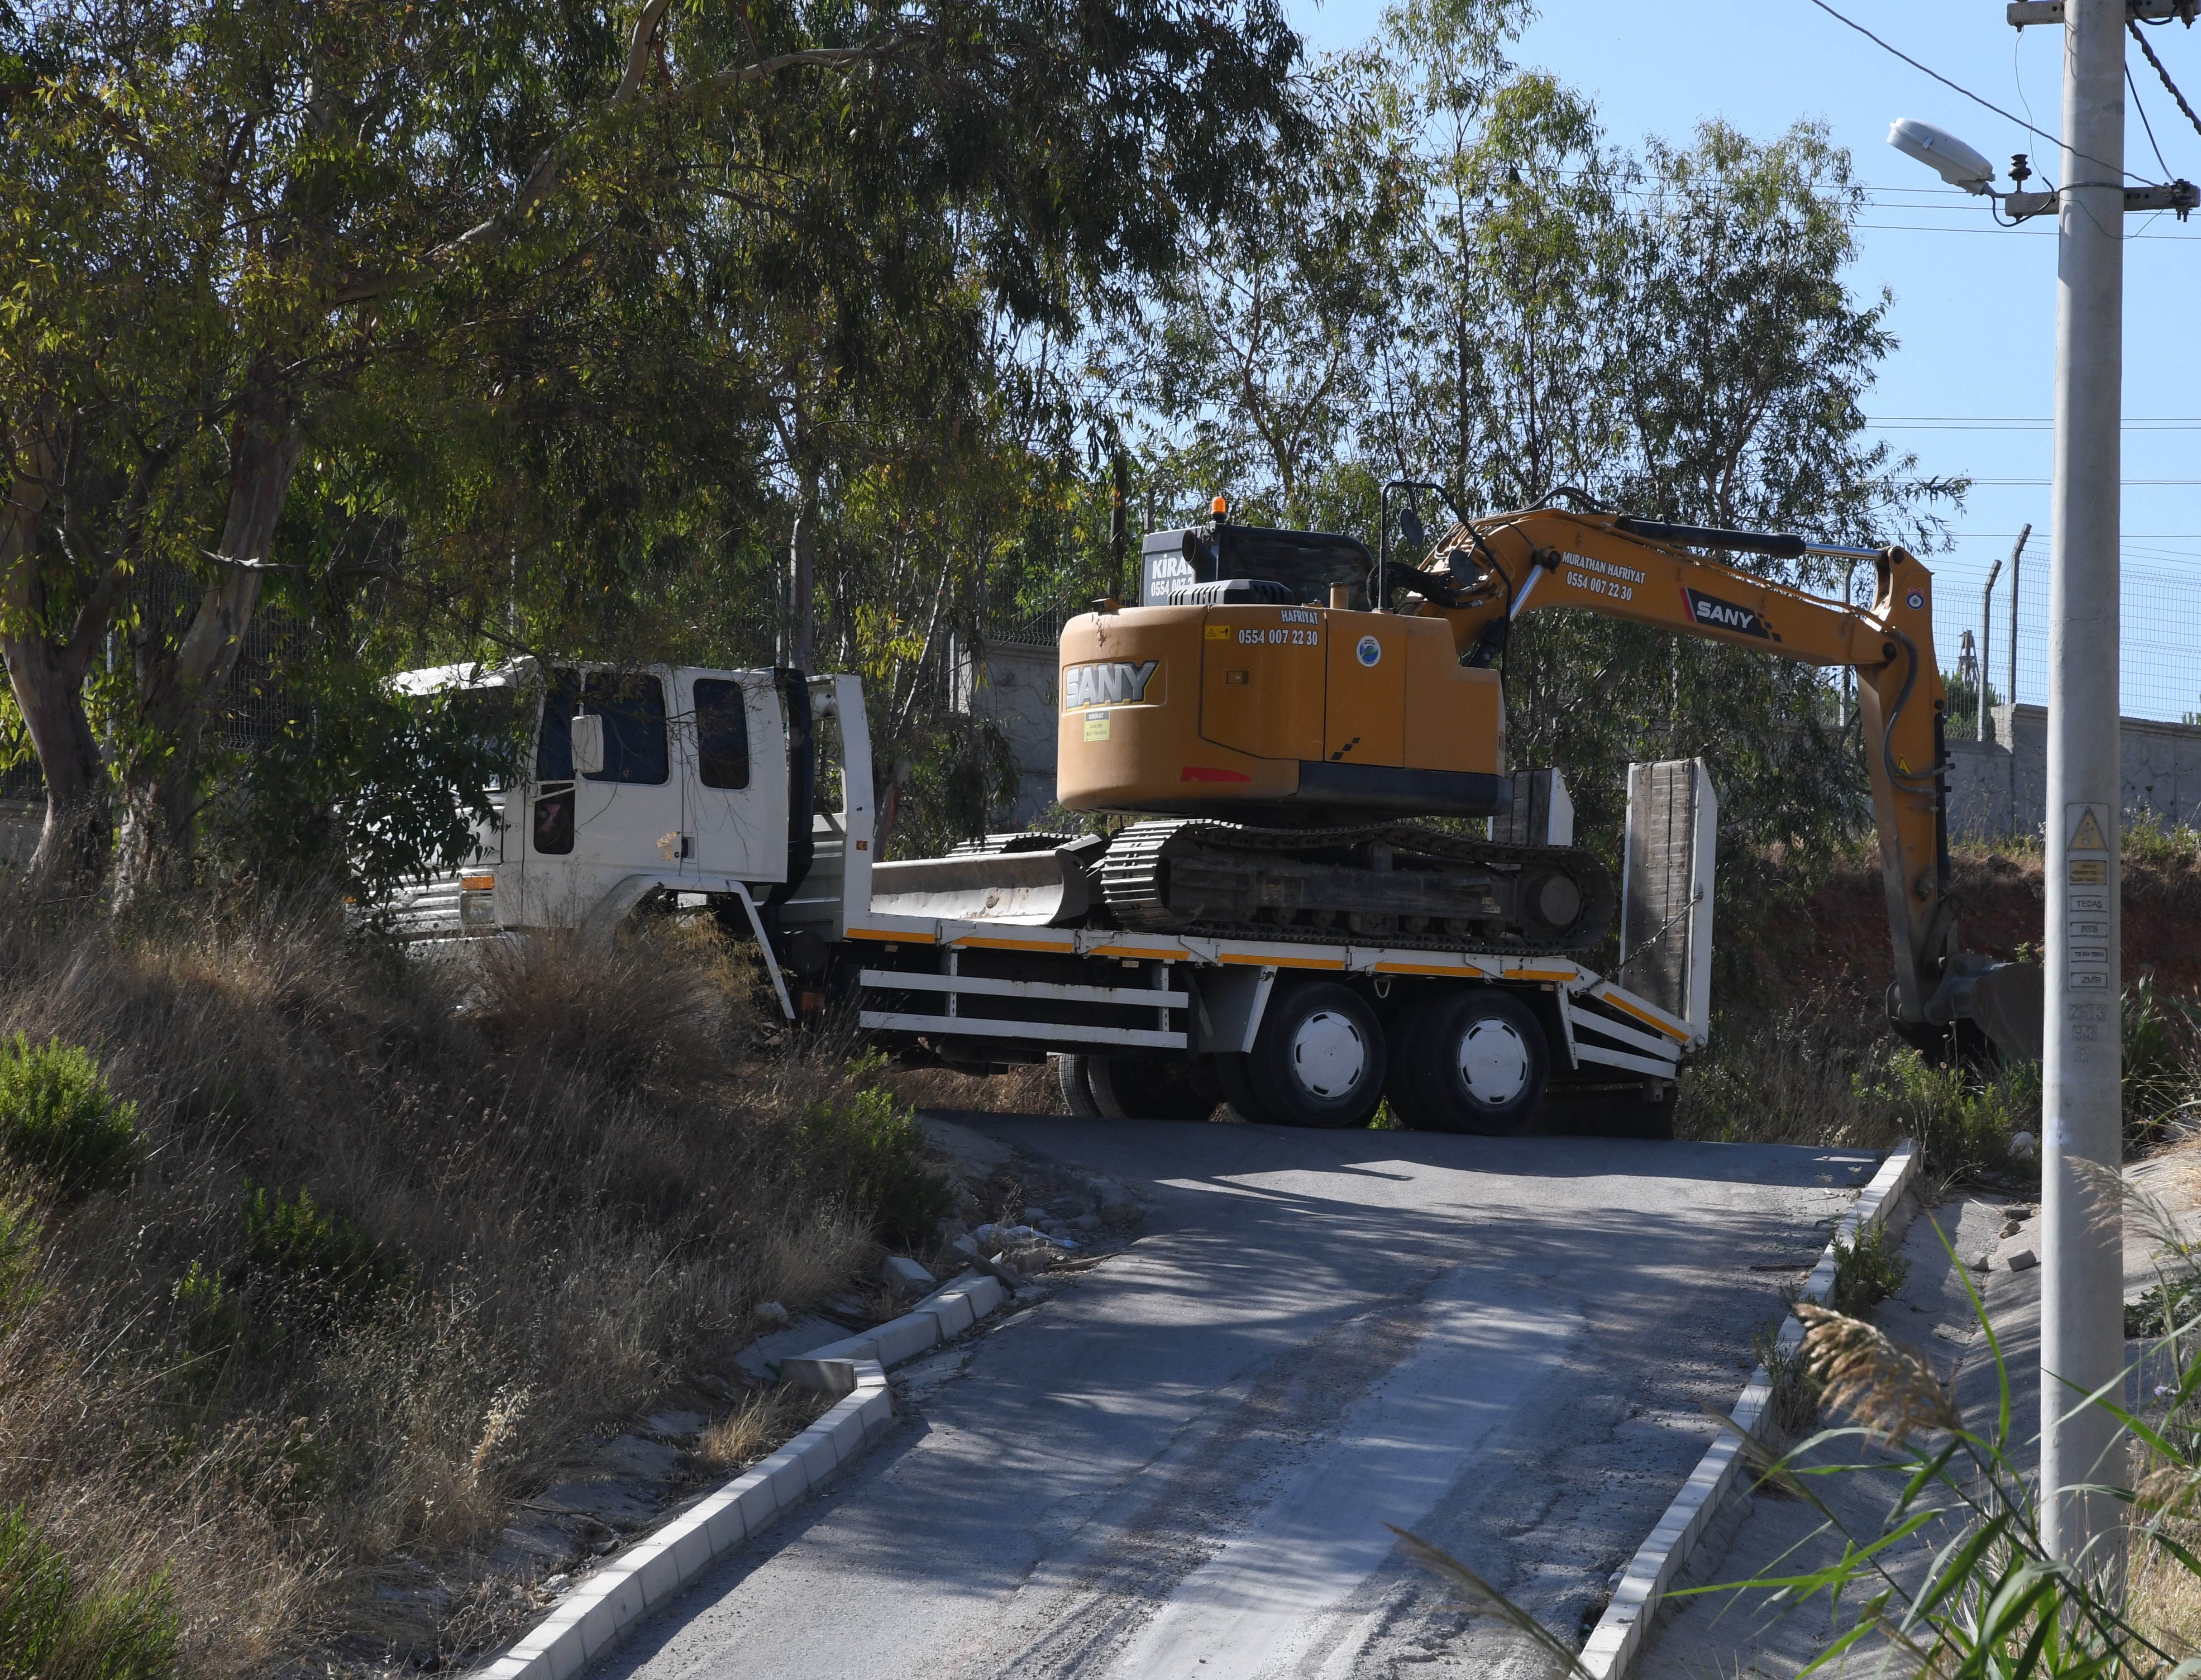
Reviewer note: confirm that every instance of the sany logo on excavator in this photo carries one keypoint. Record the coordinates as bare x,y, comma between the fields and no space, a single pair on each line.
1116,683
1717,615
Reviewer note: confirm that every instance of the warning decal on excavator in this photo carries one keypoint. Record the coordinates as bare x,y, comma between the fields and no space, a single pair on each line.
1717,615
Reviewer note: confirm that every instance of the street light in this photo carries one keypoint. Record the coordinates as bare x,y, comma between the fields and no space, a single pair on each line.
1943,153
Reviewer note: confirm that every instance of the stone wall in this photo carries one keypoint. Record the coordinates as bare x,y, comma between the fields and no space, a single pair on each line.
2000,787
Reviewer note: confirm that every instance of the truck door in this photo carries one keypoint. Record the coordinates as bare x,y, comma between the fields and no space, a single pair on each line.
734,782
609,822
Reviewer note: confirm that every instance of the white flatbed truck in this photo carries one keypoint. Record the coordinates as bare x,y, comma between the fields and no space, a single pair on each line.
678,784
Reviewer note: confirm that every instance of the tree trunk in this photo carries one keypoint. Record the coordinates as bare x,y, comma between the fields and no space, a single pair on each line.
179,691
47,678
801,580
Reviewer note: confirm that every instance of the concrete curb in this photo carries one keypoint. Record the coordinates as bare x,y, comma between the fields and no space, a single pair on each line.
1618,1636
656,1567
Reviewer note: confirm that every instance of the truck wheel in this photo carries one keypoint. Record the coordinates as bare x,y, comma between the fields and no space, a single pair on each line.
1074,1074
1318,1058
1476,1062
1126,1088
1238,1089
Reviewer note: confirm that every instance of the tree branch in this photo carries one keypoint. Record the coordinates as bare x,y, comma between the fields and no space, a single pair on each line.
637,49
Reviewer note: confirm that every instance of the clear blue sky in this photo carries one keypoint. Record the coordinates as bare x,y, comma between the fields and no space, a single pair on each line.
1974,303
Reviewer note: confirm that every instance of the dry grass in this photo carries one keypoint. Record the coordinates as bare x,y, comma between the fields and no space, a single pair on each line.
1789,1075
585,1158
766,1419
1028,1090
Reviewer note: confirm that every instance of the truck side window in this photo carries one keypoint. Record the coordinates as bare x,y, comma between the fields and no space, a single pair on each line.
554,823
553,746
632,706
722,734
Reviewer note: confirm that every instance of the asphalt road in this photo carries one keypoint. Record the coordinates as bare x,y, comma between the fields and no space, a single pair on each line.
1182,1463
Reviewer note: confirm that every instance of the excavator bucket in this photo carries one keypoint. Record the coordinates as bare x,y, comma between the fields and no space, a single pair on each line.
1038,880
2008,1003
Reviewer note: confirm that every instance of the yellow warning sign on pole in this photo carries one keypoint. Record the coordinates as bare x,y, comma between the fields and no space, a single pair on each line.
2087,832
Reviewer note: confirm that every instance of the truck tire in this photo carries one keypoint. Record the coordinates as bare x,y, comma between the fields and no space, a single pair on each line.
1476,1061
1318,1060
1074,1075
1126,1088
1238,1090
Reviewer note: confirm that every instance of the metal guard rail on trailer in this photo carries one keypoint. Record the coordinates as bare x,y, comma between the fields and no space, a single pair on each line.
1603,1024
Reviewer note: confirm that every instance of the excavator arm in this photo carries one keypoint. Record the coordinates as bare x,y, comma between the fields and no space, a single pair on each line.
1484,574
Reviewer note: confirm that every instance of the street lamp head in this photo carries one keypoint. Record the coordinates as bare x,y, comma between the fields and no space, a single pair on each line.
1942,152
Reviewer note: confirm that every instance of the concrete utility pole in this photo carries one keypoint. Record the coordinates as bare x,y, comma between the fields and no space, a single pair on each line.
2082,1285
2010,690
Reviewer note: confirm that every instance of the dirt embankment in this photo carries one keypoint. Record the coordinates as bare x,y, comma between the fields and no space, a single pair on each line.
1836,950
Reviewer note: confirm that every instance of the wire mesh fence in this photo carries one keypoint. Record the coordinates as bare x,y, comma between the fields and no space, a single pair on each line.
2159,641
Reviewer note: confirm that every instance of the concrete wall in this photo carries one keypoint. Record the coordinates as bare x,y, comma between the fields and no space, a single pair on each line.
2000,787
20,821
1014,685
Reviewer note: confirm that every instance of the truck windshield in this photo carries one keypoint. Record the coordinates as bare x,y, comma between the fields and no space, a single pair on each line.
631,703
487,721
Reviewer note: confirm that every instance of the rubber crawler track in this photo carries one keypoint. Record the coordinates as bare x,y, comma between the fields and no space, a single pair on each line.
1131,881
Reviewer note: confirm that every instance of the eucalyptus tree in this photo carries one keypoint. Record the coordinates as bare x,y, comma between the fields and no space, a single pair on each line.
602,250
1254,349
1732,360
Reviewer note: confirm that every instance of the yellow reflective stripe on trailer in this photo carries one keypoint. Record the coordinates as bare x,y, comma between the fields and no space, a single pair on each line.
1618,1000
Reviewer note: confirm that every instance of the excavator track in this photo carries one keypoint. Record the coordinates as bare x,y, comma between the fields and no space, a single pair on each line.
1409,885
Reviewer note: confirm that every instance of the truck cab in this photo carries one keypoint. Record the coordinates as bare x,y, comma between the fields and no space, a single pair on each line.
630,780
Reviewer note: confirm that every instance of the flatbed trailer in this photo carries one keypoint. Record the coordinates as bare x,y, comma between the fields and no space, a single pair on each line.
1185,1012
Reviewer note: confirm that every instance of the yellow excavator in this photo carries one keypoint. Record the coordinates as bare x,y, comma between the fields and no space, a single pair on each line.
1285,712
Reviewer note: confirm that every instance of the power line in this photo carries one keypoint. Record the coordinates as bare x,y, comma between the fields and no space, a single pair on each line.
2142,109
2021,423
2007,233
2166,82
1976,99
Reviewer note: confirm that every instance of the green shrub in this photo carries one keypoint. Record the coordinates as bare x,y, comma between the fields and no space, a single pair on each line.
58,1117
1796,1390
1963,1119
1866,1271
2163,1307
2157,1079
872,1150
212,1319
315,1252
51,1628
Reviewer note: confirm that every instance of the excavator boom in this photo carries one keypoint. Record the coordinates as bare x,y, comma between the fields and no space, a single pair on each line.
1485,574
